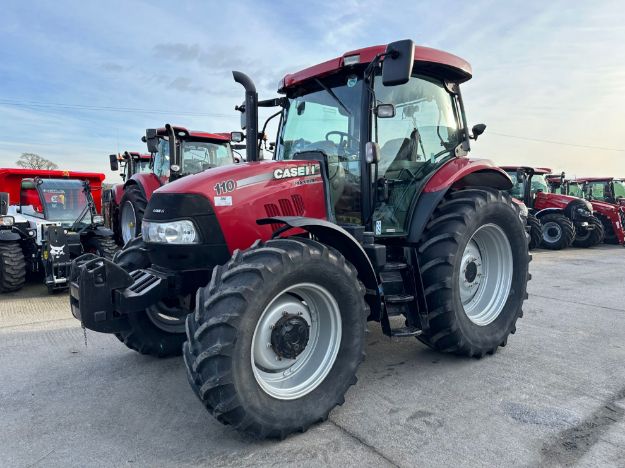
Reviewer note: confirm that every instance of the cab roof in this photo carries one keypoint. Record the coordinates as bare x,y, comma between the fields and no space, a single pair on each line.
183,133
597,179
134,155
454,67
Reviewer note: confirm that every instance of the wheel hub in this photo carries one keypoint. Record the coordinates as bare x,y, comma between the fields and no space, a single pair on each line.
552,232
289,336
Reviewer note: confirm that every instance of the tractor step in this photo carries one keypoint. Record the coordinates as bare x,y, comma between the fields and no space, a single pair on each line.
399,298
395,266
405,332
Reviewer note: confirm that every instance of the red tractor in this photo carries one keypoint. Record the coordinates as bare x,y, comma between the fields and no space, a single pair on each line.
606,189
175,152
130,163
565,220
611,215
370,210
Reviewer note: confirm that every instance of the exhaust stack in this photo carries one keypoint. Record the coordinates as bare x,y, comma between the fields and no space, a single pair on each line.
251,114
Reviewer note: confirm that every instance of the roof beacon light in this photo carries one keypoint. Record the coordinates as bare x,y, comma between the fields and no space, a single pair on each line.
351,60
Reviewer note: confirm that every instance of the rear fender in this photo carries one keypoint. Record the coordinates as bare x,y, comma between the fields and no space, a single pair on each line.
335,236
456,174
541,213
146,181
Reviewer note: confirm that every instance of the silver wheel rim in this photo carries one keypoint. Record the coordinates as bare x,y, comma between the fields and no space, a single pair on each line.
158,315
486,274
128,222
289,379
552,232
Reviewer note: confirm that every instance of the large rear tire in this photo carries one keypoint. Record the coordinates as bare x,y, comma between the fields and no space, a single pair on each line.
474,264
12,267
131,210
277,337
589,237
536,231
558,231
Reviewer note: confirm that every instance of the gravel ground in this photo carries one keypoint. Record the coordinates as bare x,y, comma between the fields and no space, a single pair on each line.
555,396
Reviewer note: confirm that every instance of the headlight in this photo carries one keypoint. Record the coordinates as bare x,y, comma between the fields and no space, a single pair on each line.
97,219
7,220
584,212
173,232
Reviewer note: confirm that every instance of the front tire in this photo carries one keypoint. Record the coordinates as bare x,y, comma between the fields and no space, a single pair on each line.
536,231
12,267
608,228
589,237
253,360
558,231
103,246
474,264
131,210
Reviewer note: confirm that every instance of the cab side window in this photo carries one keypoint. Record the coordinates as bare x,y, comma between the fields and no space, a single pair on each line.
161,159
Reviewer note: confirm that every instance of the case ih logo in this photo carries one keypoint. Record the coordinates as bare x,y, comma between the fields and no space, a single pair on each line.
299,171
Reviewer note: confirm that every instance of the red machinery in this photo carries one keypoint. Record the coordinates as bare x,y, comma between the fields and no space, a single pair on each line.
370,211
175,152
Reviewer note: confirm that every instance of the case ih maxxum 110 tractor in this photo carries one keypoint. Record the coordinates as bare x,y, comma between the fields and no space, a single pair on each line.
176,152
47,219
565,220
370,210
611,215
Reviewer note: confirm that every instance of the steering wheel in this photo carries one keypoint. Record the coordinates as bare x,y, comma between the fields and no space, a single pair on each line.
347,143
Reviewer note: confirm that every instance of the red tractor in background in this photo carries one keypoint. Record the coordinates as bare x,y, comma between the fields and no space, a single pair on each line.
565,220
611,215
130,163
48,218
175,152
605,189
370,210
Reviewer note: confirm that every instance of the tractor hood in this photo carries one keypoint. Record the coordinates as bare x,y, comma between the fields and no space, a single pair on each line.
240,194
555,200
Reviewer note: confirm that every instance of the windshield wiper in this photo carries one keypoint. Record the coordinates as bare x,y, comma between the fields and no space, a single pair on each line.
334,96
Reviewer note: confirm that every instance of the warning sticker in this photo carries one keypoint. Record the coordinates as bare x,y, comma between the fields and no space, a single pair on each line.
223,201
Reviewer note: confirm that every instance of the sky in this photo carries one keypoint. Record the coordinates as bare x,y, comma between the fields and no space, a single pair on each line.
81,80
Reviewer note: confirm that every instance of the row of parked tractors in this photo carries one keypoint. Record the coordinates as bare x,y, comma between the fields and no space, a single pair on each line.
264,272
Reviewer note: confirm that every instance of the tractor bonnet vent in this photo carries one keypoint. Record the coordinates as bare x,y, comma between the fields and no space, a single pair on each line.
285,207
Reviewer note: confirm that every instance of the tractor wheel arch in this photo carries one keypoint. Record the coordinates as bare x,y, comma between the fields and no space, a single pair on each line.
428,200
338,238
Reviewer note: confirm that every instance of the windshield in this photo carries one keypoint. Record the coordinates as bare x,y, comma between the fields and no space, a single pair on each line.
597,191
327,119
619,189
141,165
63,200
197,156
539,183
575,190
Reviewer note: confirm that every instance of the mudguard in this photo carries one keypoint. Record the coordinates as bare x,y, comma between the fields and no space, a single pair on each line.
335,236
7,235
457,173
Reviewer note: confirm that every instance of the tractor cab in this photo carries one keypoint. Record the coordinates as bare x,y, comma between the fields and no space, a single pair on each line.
606,189
130,163
178,152
528,182
67,202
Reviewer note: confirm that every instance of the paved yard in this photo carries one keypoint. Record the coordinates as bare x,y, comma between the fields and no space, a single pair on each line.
554,396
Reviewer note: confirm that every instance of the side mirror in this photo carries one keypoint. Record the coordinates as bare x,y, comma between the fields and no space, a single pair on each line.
237,137
241,109
385,111
114,162
398,62
372,153
4,203
151,139
477,130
